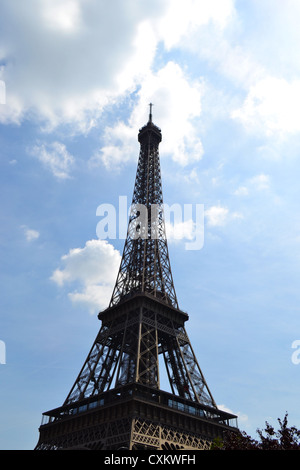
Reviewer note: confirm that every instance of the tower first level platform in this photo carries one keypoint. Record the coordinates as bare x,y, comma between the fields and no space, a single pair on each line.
134,417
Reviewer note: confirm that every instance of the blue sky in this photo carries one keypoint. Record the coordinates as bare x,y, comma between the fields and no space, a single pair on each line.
224,77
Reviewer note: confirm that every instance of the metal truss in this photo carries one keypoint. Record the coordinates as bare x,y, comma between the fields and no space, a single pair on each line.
109,435
127,347
128,433
127,350
145,264
156,435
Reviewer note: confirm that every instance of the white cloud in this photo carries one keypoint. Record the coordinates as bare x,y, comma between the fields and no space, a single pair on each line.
93,269
183,18
177,105
211,31
192,177
265,68
89,55
120,146
180,230
67,59
30,234
63,16
216,215
94,297
272,107
259,182
55,157
139,63
241,191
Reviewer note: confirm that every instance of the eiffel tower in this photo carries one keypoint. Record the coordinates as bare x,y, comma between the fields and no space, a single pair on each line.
116,401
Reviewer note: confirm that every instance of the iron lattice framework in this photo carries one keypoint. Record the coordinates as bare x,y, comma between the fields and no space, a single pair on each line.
127,350
145,265
118,388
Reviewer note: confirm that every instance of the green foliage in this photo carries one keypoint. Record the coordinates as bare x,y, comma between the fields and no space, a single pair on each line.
285,438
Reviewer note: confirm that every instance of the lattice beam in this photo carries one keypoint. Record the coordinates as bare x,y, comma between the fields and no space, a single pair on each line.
145,264
127,350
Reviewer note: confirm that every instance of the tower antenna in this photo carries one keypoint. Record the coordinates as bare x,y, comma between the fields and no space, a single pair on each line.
150,114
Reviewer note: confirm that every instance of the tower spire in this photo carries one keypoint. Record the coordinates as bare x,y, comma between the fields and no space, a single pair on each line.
150,114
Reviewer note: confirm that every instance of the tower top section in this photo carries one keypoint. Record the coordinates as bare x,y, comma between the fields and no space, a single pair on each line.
150,131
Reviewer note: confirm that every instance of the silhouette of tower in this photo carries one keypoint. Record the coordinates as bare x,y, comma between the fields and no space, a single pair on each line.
116,401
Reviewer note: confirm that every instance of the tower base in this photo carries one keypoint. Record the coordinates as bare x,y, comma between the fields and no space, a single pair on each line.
133,417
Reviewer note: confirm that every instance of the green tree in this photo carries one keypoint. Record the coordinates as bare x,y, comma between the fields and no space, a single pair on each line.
285,438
